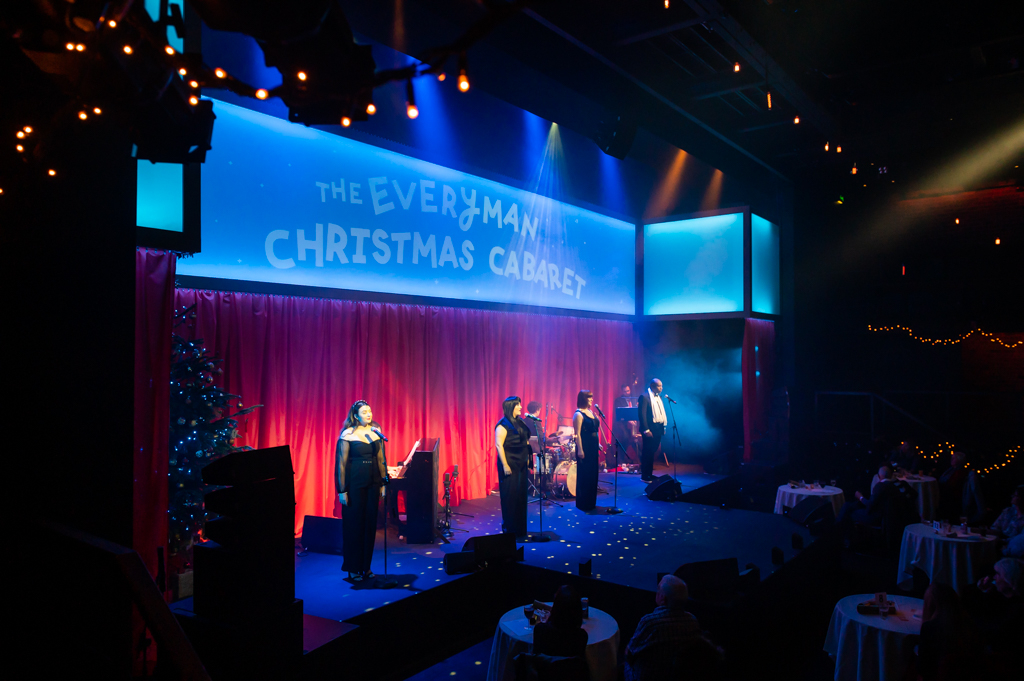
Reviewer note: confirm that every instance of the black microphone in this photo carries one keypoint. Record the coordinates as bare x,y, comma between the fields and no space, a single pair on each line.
598,408
531,416
379,434
666,397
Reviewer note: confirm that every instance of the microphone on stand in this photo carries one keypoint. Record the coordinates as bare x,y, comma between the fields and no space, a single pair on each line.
531,416
379,434
598,408
666,397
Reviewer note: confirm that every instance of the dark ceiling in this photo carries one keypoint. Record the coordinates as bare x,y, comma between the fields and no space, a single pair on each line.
902,84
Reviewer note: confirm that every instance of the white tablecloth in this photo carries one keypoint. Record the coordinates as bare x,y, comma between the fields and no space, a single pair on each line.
514,635
868,648
787,496
957,562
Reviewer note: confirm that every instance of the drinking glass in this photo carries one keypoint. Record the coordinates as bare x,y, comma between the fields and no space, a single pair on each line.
832,483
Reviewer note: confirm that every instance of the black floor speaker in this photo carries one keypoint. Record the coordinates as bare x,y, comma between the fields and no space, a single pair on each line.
814,513
323,535
664,488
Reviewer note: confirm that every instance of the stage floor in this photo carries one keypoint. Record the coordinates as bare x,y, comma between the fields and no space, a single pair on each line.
631,548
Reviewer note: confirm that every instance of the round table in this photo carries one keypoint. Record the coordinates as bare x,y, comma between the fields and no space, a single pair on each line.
514,635
789,496
955,561
867,647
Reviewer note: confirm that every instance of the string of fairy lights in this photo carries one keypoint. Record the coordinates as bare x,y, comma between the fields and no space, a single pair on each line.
946,341
946,449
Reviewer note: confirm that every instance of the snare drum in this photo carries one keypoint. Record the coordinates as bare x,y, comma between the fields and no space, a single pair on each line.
564,478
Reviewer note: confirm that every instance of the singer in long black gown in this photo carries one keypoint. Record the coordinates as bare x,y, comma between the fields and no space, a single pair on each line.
359,476
587,429
512,441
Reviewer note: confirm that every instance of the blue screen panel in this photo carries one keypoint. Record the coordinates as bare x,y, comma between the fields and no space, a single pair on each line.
287,204
694,266
158,196
764,266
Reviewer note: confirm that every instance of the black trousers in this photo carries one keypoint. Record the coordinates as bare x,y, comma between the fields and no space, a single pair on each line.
513,490
359,525
651,446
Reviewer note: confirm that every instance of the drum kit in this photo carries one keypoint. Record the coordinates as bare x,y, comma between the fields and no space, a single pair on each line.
555,468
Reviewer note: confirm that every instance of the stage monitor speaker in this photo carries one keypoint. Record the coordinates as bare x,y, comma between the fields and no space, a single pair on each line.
491,549
459,563
710,579
664,488
323,535
814,513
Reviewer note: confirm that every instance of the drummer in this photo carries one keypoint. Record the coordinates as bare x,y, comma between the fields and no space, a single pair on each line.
532,418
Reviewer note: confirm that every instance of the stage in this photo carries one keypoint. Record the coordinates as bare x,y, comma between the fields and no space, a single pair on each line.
628,549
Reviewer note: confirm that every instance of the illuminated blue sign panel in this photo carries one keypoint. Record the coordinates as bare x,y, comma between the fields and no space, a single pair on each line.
694,266
764,266
292,205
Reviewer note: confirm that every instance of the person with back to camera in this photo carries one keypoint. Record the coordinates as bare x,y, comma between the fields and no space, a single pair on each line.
563,634
661,635
359,473
512,441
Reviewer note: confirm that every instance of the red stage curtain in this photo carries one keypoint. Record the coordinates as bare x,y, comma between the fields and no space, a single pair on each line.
154,313
426,371
758,357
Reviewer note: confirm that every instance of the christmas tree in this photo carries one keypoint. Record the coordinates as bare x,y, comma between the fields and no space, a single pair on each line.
202,431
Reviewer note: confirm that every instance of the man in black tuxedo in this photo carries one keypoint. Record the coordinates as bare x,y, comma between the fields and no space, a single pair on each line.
653,423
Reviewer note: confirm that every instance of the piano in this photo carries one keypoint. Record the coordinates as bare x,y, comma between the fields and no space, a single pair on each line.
417,477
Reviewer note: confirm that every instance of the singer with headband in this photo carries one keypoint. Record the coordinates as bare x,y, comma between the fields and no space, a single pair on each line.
653,422
512,441
359,472
587,430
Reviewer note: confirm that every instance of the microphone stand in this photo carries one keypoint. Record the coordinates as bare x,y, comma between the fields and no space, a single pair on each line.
385,582
677,442
542,499
615,500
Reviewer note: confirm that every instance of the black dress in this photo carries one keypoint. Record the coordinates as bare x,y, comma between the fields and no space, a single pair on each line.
513,487
587,467
362,481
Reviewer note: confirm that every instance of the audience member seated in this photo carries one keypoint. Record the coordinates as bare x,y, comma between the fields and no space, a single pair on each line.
563,634
948,648
907,457
1015,547
1010,522
997,606
663,635
960,492
871,510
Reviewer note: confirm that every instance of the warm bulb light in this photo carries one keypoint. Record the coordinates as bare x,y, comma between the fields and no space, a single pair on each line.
112,24
20,135
345,121
80,47
261,94
127,49
371,108
769,100
796,120
441,76
957,221
193,83
839,150
854,171
168,49
51,172
182,71
666,4
826,146
27,129
736,67
221,73
20,148
83,115
71,47
997,242
96,110
193,100
302,75
463,82
411,111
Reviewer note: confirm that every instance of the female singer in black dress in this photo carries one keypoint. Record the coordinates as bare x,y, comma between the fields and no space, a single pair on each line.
587,429
512,440
359,471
